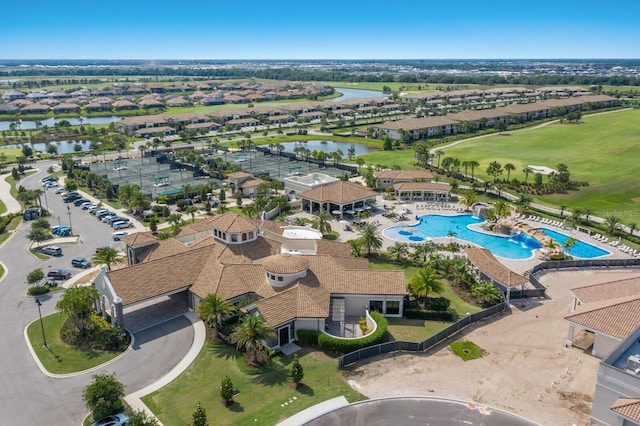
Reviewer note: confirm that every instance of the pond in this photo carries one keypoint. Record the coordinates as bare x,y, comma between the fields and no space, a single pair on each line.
329,146
357,94
50,122
63,147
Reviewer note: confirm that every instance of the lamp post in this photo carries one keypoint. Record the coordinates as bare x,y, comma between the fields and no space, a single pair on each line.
140,172
69,213
44,339
46,203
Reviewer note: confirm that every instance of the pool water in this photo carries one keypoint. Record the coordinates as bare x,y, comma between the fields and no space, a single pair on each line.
520,246
580,248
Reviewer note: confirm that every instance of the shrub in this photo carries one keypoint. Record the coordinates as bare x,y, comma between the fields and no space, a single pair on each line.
349,345
308,337
439,304
431,315
296,372
104,396
226,390
37,290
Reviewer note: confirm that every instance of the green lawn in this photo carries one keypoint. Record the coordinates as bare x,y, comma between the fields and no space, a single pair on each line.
414,330
404,158
3,208
603,150
457,304
466,350
261,395
61,358
10,227
11,154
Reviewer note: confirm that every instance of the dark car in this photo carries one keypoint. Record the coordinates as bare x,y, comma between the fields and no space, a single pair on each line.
71,198
58,274
79,201
80,262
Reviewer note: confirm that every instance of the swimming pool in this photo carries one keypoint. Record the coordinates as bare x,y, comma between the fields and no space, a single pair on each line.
520,246
580,248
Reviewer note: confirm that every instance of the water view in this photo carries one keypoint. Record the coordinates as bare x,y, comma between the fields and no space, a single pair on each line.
357,94
62,147
50,122
329,146
519,246
579,249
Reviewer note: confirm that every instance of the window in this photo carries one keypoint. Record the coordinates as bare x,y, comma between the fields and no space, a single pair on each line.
273,277
393,307
280,278
375,305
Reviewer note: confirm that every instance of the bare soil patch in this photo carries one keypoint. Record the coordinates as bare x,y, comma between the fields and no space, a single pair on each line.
526,369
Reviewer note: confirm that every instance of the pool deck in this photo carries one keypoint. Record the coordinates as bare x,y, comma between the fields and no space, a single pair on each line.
520,266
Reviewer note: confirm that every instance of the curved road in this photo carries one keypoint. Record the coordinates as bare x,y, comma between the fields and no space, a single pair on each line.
27,395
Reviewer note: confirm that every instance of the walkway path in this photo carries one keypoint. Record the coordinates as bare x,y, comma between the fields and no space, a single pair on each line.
13,206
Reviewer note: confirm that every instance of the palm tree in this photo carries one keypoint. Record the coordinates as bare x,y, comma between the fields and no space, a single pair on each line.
486,292
587,212
321,221
370,239
632,228
469,198
108,256
526,172
576,215
399,250
501,209
451,235
421,253
425,283
569,244
77,303
250,333
563,207
214,309
509,167
612,223
191,210
473,164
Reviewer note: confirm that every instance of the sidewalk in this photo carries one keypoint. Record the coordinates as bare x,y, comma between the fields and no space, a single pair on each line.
13,206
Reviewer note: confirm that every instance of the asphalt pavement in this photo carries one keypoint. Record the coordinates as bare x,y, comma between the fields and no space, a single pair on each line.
27,395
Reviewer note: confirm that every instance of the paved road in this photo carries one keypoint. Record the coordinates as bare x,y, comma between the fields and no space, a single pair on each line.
29,397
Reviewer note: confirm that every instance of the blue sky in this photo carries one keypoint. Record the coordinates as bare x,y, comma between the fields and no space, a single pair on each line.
347,29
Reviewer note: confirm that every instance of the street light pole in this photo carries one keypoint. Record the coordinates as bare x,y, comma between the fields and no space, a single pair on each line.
69,213
44,339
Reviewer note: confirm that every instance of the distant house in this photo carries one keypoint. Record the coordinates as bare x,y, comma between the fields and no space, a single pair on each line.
8,109
150,103
124,104
245,183
35,109
150,132
65,107
13,95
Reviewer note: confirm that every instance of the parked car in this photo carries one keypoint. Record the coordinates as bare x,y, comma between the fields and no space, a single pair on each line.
61,230
114,420
85,206
50,184
120,234
122,224
71,198
60,191
58,274
109,218
79,201
99,249
51,251
49,179
92,208
103,213
80,262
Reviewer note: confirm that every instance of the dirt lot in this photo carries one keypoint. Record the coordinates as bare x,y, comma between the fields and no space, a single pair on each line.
526,369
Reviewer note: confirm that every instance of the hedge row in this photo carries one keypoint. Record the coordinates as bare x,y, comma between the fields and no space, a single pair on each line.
5,220
425,314
334,344
308,337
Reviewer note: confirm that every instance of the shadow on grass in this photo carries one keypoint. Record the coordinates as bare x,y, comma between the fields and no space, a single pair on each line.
236,407
305,390
276,376
220,350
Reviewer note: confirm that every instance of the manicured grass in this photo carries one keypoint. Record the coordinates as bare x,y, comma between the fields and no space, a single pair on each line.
261,395
466,350
36,253
602,150
404,158
11,154
457,304
414,330
10,227
61,358
1,271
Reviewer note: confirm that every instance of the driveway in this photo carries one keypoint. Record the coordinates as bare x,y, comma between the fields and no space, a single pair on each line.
29,397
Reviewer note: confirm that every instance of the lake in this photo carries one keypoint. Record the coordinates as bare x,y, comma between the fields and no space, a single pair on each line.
329,146
64,147
357,94
31,124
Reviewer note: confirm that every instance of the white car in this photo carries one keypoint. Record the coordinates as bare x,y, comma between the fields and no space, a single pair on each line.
50,184
117,235
92,208
115,420
86,205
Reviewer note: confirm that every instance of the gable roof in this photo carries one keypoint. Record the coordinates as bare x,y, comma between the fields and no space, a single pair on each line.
339,192
232,222
607,291
139,239
627,407
485,261
403,174
617,317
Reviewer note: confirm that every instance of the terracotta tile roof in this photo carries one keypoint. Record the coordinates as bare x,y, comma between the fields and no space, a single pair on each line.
146,280
298,302
195,227
627,407
422,186
352,262
139,239
339,192
165,248
232,222
334,248
239,175
410,175
484,260
251,183
284,263
617,317
607,291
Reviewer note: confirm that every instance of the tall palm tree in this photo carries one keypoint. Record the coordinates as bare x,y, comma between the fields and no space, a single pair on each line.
370,239
526,172
486,292
78,302
250,333
426,283
569,244
509,167
108,256
612,222
321,221
421,253
214,309
501,209
469,198
576,215
473,164
399,250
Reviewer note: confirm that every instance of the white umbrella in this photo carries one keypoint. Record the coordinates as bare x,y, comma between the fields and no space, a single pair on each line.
336,212
344,221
